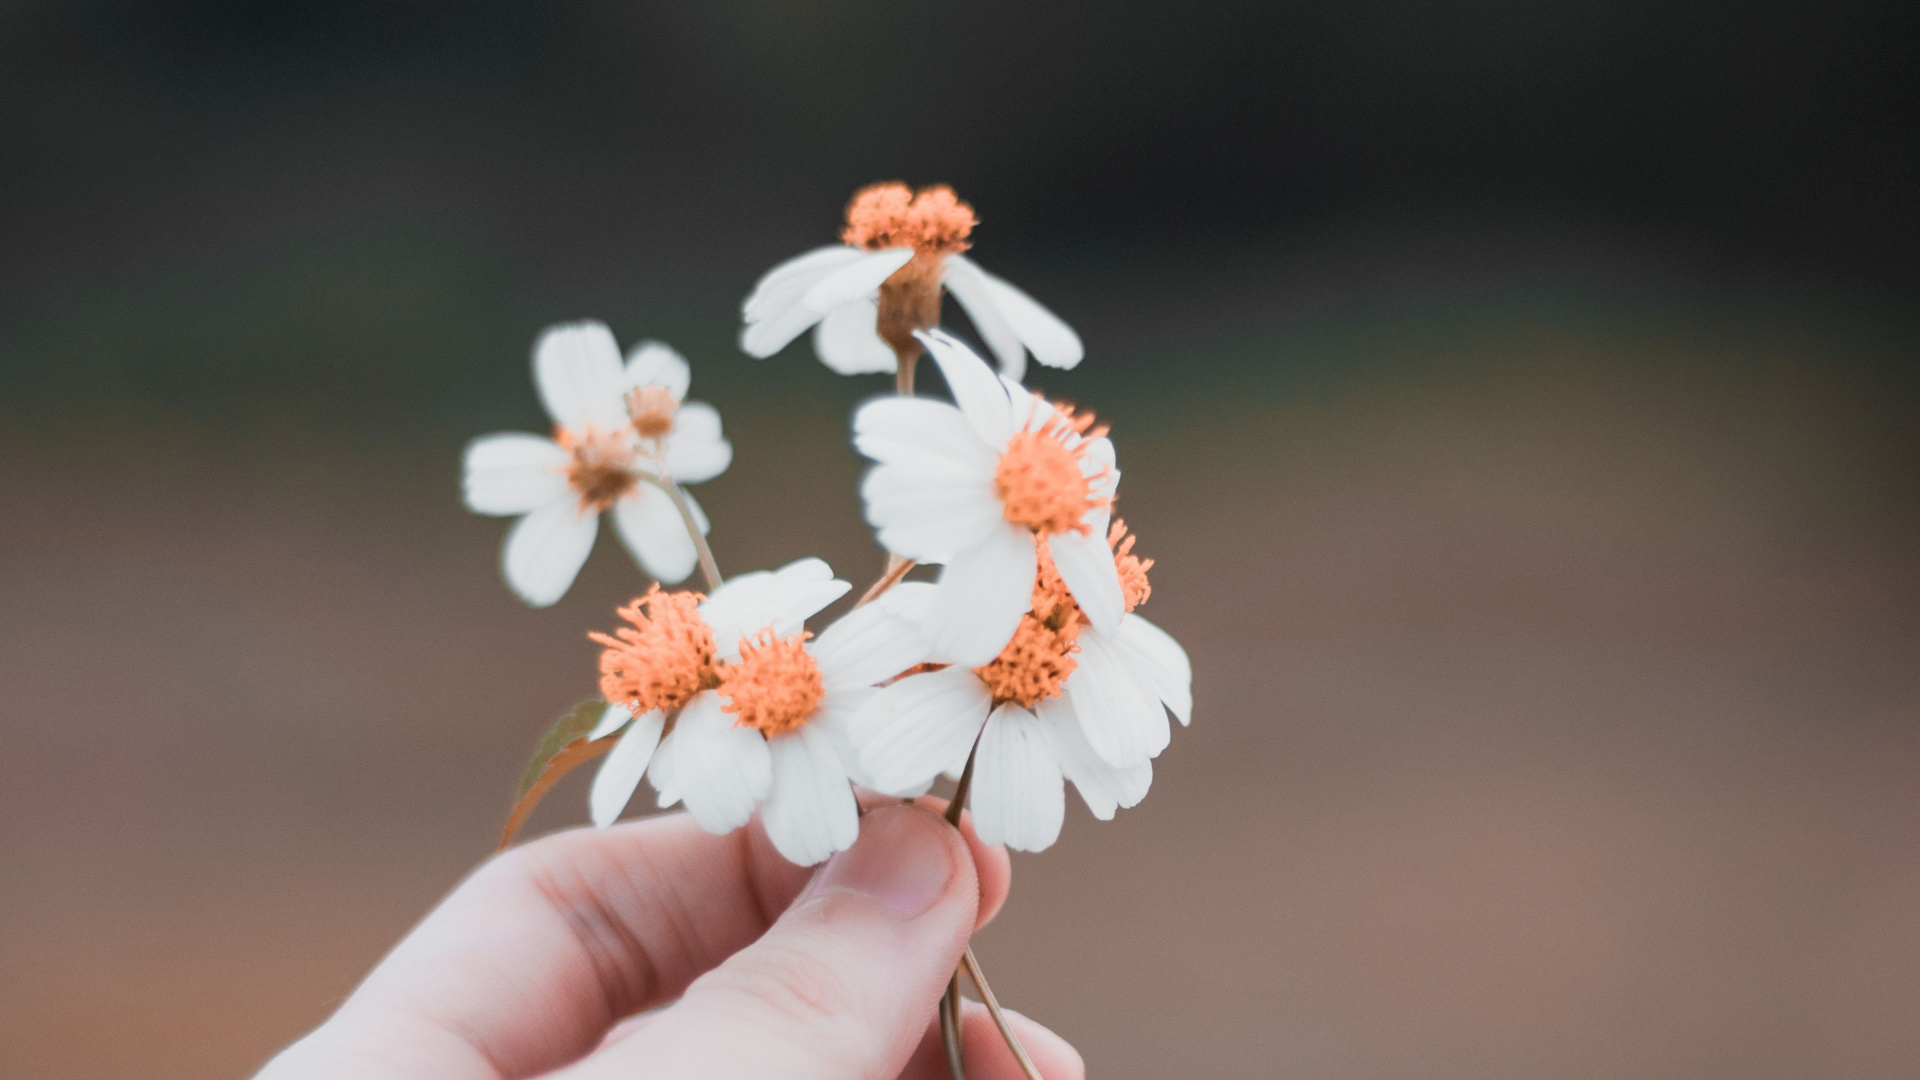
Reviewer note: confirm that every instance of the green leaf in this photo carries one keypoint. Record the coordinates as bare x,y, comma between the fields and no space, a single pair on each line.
563,747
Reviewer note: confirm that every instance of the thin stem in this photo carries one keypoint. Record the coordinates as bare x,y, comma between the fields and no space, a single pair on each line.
951,1030
903,371
965,785
897,568
950,1016
971,966
708,568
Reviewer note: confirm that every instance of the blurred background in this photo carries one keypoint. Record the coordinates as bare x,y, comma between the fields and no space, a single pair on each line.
1521,402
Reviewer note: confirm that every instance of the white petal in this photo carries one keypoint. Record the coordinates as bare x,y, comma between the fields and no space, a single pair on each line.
656,363
976,389
660,773
895,427
968,284
1122,723
1086,566
719,769
867,645
768,336
512,473
1162,664
930,509
612,719
624,767
1051,341
696,452
1018,799
577,368
781,600
911,730
1097,464
784,285
655,534
835,718
911,600
983,592
848,342
1102,787
809,813
856,279
546,549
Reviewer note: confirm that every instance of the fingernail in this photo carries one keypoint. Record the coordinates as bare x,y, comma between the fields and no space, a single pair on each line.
901,860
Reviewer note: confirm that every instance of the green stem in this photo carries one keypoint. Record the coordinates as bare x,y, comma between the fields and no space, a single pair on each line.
708,568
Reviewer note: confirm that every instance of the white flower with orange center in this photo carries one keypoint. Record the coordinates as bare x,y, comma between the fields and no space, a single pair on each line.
620,430
870,294
734,705
982,487
1064,700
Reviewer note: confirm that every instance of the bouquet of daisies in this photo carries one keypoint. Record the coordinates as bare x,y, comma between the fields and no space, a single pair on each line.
1024,665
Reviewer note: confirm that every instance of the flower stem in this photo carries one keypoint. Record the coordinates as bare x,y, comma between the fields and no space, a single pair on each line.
950,1003
950,1021
708,568
972,968
897,568
903,372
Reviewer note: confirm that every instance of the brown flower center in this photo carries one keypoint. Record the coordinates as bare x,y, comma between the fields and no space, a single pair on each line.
600,465
652,409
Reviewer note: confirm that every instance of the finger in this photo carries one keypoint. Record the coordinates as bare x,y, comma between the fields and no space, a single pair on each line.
989,860
525,966
986,1053
841,987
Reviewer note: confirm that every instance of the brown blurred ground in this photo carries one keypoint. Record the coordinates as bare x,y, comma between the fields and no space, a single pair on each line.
1558,715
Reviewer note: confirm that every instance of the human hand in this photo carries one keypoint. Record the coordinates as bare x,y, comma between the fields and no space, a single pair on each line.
538,964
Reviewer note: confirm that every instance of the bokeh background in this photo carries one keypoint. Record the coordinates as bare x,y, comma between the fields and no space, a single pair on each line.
1520,401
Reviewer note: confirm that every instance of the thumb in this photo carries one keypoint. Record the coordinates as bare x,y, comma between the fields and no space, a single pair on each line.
842,986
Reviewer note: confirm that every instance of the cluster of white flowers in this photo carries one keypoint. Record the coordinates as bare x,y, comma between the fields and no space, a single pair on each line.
1022,667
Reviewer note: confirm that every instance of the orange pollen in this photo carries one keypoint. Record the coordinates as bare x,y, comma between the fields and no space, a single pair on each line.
663,659
1036,663
1039,479
1133,569
600,470
776,685
652,408
885,215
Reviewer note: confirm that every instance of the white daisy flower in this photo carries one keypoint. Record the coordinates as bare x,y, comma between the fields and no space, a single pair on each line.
613,424
733,707
1064,700
981,488
868,295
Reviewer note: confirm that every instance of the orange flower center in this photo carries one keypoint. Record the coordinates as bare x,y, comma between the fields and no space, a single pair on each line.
1036,663
1133,569
776,685
652,408
1038,660
890,215
600,469
935,224
1039,479
661,660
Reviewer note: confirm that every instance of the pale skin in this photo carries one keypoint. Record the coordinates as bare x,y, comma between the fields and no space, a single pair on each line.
744,965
